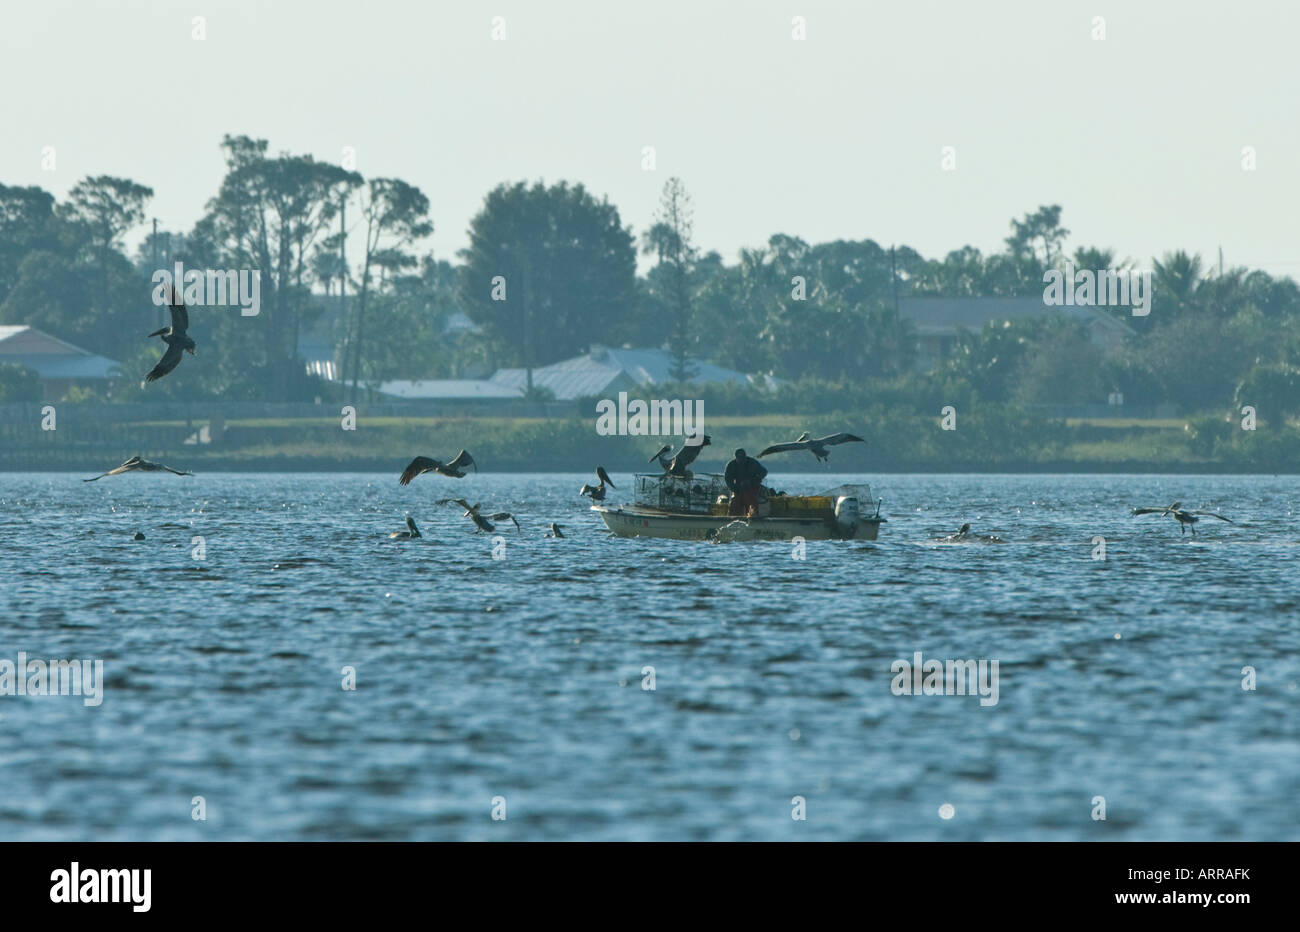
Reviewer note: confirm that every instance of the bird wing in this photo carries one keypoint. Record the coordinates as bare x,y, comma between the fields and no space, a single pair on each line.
1212,515
129,465
1151,511
840,438
662,450
604,477
421,464
180,315
462,460
177,471
504,516
170,360
785,447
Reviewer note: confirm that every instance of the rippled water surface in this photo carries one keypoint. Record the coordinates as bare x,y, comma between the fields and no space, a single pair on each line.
521,677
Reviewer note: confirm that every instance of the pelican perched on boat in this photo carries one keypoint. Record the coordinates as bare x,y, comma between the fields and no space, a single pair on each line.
411,533
135,464
1186,519
422,464
816,447
484,522
597,492
676,465
176,338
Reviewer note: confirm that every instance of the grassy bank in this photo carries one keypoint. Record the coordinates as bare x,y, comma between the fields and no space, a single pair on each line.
993,440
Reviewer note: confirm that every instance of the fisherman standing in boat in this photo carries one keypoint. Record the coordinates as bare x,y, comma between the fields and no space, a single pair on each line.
744,476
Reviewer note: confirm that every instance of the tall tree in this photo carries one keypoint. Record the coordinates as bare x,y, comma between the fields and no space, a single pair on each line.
394,215
547,271
669,239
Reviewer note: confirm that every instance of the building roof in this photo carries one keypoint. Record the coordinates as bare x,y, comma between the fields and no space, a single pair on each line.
605,371
943,316
49,357
448,389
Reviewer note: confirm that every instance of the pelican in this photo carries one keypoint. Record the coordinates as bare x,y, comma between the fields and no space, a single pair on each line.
597,492
483,521
411,533
816,447
422,464
1185,519
135,464
676,464
175,337
963,534
555,530
138,536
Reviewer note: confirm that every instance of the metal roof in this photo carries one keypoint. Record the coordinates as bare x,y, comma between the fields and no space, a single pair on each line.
49,357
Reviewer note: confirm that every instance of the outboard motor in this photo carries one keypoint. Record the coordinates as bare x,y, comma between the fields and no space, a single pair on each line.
847,517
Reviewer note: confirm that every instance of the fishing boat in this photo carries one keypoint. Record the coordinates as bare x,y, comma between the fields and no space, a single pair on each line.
696,508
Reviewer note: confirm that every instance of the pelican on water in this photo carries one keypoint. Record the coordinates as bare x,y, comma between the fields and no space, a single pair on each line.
816,447
597,492
176,338
556,530
484,522
422,464
963,534
135,464
1185,519
676,464
411,533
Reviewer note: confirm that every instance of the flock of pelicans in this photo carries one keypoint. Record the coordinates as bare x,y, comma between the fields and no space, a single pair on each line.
178,343
455,469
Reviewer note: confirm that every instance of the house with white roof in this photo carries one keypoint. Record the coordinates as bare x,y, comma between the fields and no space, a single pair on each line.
601,373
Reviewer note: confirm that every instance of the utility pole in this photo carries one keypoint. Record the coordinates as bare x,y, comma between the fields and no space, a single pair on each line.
893,278
343,286
157,310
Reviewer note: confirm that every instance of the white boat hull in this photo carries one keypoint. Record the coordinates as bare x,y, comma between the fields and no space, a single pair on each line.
632,521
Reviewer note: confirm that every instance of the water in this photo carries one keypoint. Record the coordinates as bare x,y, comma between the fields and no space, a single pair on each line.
521,678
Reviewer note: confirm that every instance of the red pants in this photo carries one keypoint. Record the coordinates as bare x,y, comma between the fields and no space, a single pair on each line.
742,500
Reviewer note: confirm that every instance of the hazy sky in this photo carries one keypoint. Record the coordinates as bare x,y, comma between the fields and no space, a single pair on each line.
1139,137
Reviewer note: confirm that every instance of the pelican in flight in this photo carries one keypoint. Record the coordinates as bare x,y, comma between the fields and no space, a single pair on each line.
676,464
422,464
411,533
556,530
963,534
1185,519
484,522
816,447
597,492
176,338
135,464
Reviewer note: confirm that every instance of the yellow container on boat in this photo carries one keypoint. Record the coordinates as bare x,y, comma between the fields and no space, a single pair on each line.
799,506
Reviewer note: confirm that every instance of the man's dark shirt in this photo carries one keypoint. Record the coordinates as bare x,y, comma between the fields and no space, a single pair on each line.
742,473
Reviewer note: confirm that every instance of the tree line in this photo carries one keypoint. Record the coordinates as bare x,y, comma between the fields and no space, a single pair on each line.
551,270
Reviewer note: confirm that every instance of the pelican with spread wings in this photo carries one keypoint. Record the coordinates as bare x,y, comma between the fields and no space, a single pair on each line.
135,464
816,447
177,340
484,522
422,464
1186,519
675,465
